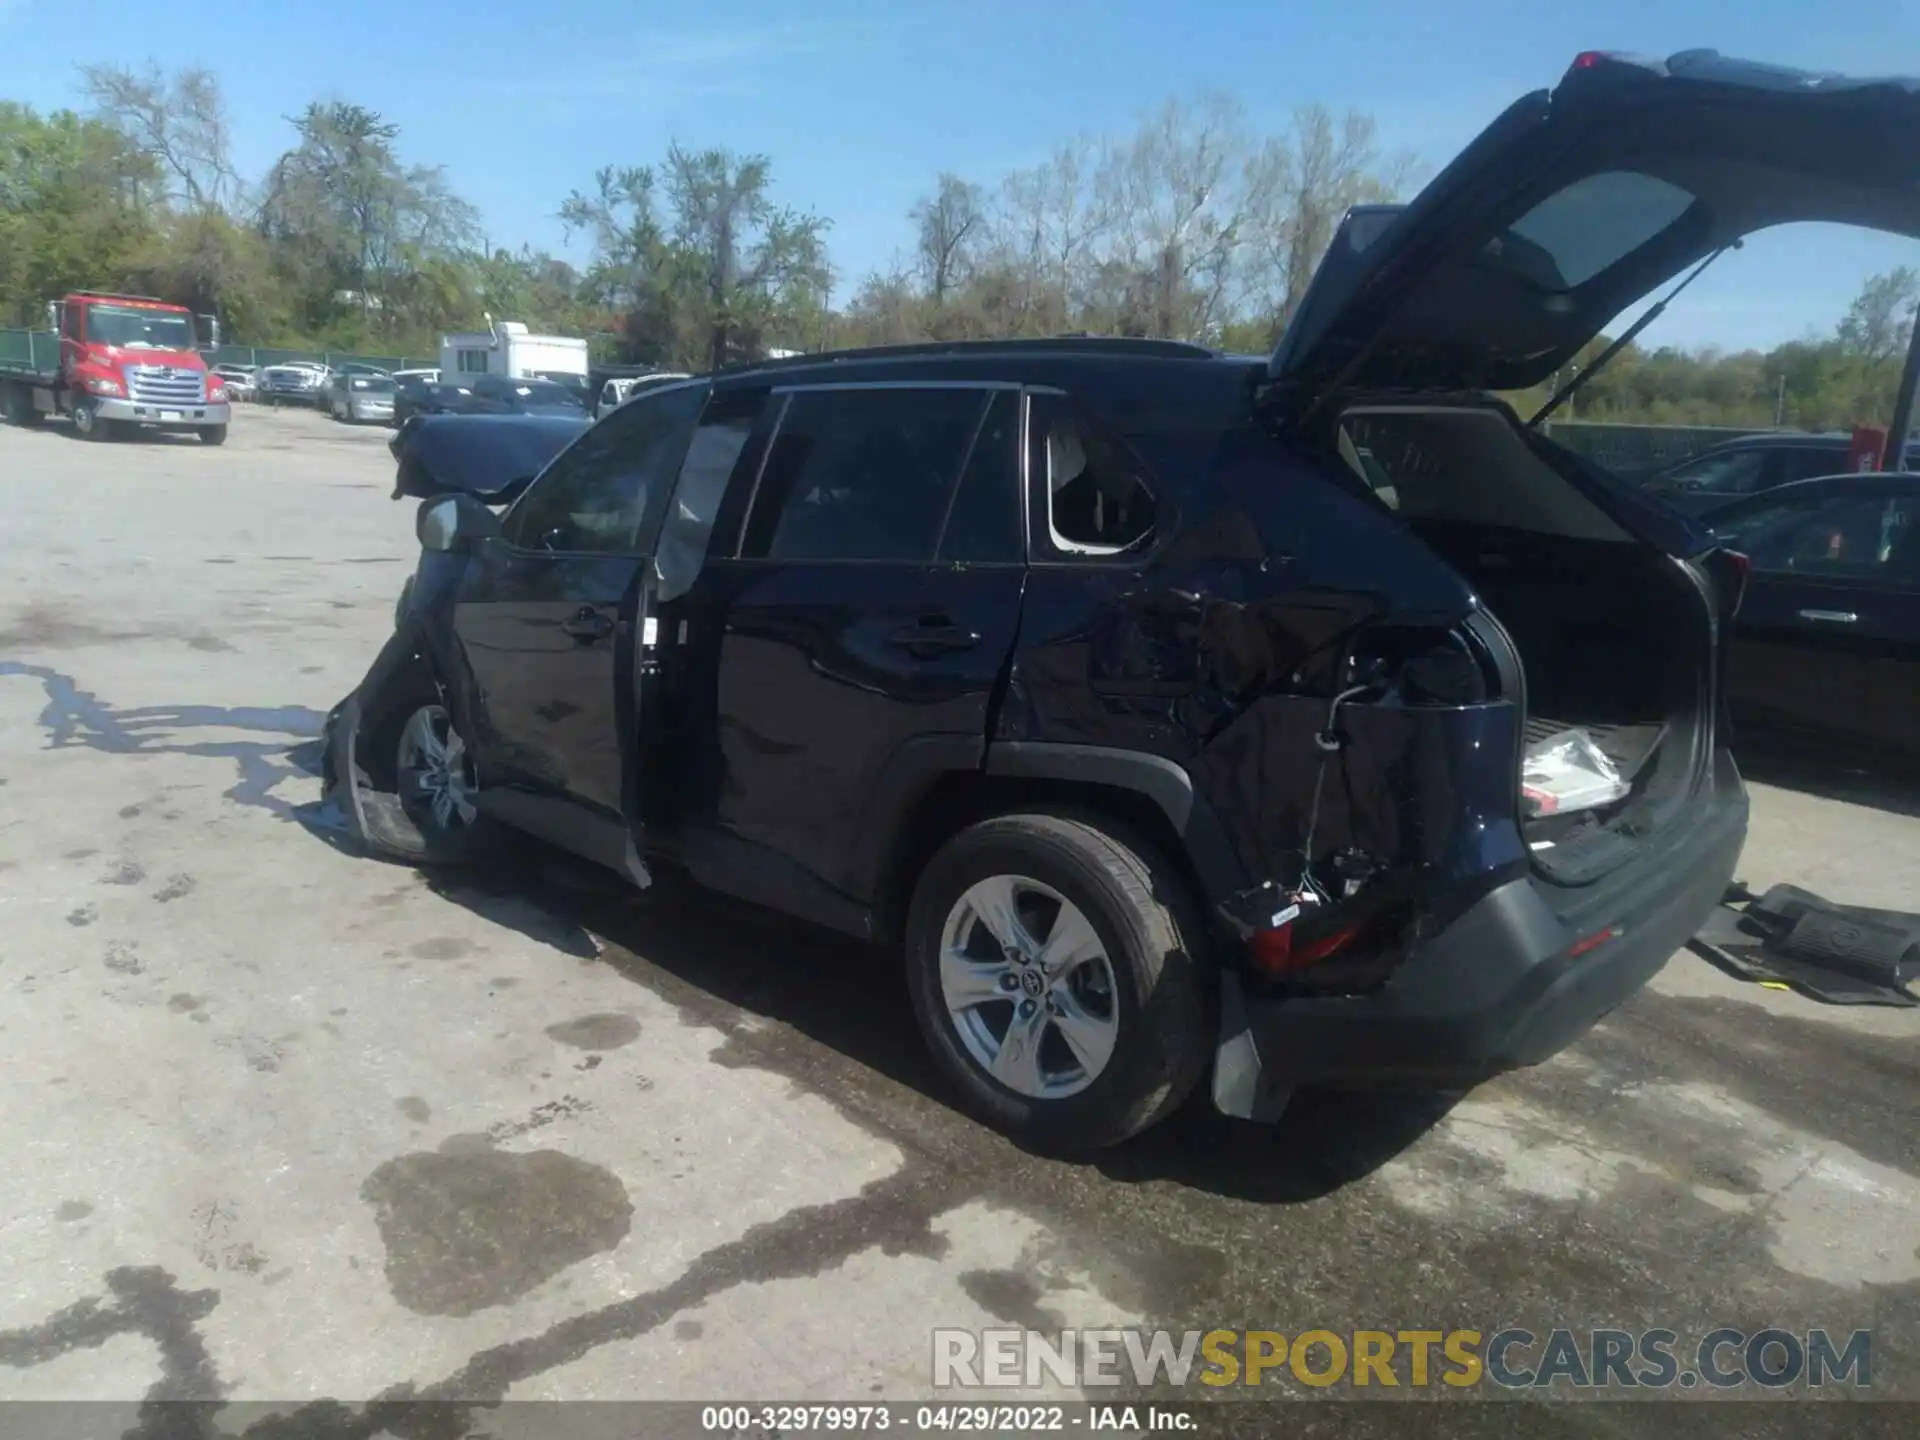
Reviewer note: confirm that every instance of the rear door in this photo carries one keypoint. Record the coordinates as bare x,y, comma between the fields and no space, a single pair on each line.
867,604
553,620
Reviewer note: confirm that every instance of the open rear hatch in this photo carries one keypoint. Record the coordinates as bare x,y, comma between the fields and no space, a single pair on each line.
1576,203
1580,200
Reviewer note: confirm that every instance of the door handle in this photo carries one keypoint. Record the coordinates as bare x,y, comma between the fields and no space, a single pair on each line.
1830,617
587,624
934,635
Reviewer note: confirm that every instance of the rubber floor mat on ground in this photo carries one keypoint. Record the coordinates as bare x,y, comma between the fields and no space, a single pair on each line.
1839,954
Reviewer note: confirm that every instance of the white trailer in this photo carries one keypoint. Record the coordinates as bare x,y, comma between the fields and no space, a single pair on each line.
507,348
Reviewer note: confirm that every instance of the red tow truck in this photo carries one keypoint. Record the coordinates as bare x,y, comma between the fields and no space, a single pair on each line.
118,361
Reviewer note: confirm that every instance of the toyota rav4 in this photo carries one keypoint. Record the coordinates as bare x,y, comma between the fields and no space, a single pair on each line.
1168,710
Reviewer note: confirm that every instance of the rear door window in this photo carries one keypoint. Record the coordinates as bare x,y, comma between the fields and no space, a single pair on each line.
861,474
983,523
1860,537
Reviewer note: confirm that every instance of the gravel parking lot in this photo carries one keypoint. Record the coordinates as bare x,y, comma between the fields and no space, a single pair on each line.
282,1124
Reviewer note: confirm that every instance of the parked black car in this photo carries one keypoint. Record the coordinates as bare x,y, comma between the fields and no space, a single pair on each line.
1734,469
492,457
1108,679
1829,634
415,395
500,395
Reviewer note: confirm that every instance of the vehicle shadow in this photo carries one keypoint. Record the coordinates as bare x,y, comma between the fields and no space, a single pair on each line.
718,960
1830,770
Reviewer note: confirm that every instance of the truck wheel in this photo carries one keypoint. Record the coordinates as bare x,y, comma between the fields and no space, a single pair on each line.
213,435
1058,973
90,425
18,402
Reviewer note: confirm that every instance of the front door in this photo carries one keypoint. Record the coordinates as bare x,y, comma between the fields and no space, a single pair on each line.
1815,616
553,622
868,606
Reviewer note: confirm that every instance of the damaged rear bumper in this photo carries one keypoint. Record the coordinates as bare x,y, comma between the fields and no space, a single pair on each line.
1510,983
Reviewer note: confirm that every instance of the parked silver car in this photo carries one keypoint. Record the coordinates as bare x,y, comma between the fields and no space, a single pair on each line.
363,397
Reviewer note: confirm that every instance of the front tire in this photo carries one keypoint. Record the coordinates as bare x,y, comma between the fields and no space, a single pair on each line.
1059,976
414,783
89,424
213,435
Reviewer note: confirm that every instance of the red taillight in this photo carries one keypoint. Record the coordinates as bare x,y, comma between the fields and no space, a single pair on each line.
1276,951
1588,59
1741,566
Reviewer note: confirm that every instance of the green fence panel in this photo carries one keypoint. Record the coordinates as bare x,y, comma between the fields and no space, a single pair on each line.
29,349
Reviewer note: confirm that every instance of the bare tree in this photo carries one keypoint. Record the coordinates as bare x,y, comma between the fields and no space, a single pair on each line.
1302,184
1177,190
950,225
180,121
1045,223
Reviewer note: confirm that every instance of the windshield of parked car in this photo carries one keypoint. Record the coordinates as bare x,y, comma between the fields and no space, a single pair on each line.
134,327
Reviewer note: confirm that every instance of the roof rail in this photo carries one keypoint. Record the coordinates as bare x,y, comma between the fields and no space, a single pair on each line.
1051,344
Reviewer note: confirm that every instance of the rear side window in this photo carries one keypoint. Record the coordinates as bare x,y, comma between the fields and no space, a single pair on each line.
1090,495
861,474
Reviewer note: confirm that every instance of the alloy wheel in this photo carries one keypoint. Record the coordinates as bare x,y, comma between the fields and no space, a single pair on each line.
1028,987
435,771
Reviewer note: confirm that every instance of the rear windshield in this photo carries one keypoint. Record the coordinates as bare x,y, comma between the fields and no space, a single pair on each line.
1592,225
376,384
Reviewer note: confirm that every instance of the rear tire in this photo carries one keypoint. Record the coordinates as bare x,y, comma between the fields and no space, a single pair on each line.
213,435
1110,1044
18,402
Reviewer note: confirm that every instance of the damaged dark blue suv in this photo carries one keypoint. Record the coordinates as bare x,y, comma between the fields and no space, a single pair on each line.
1171,711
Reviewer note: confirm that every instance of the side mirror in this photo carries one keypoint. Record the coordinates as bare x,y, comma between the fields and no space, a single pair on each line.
452,523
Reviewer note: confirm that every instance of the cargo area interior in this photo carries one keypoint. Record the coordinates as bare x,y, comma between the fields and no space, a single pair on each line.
1611,634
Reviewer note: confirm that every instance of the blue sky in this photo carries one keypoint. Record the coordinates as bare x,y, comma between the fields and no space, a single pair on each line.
859,104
